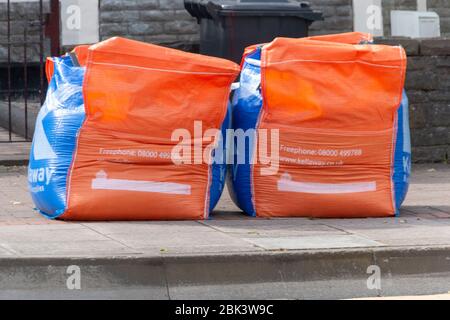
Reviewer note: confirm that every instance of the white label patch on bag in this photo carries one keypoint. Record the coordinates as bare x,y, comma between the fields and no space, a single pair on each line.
285,183
102,182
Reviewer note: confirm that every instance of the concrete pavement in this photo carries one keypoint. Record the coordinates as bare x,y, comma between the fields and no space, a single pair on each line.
18,116
230,255
444,296
13,153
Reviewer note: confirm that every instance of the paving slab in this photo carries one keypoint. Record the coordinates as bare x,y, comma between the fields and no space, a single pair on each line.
97,248
423,222
4,252
147,228
33,234
265,228
229,255
313,242
188,240
397,231
15,153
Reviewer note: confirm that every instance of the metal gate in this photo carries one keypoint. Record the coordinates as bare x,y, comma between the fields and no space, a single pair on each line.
32,32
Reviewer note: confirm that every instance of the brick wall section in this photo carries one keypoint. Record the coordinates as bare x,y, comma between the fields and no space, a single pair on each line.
338,16
22,15
428,89
156,21
442,7
166,22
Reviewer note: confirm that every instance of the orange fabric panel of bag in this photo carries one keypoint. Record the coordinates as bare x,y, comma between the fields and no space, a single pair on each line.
335,107
49,69
136,95
349,37
82,53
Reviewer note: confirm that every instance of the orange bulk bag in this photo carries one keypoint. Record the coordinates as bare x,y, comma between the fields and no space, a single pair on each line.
333,102
118,165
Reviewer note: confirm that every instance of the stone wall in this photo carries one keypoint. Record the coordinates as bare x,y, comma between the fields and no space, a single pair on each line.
428,76
442,7
338,14
23,15
166,21
157,21
428,89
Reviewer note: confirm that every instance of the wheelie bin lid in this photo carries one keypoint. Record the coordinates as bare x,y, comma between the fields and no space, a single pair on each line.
209,9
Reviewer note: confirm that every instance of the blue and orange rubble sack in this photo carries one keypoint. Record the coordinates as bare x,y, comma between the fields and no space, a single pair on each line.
342,116
102,144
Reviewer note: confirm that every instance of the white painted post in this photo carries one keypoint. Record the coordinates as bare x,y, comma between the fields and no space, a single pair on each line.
79,22
422,5
368,17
